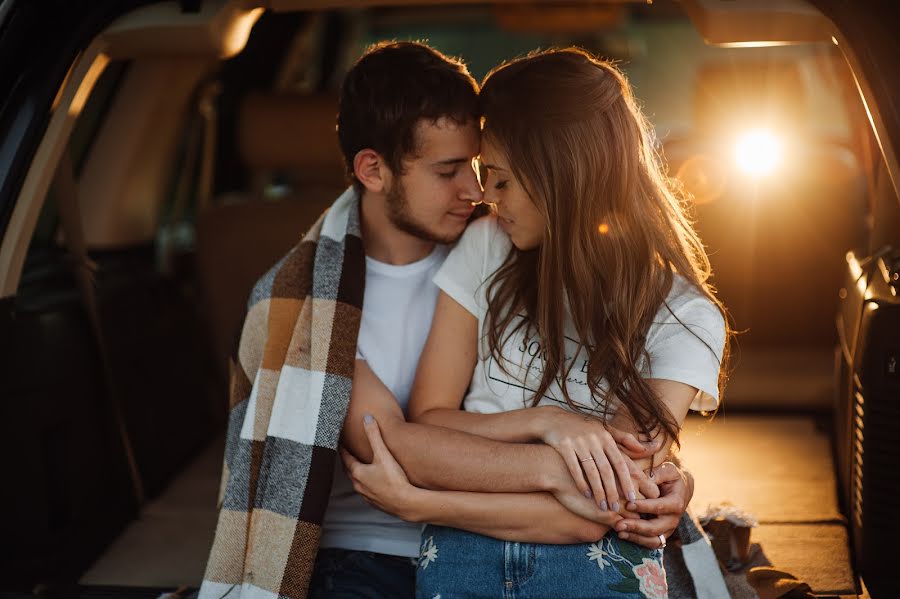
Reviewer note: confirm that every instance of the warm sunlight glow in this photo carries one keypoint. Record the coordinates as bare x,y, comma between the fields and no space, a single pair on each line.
758,152
603,228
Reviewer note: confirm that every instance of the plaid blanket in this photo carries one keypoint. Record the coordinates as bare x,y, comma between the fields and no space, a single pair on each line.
288,395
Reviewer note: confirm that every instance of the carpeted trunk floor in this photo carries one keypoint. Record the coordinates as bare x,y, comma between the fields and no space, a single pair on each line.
779,469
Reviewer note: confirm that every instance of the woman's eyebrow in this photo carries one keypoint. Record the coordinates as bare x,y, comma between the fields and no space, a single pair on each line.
493,167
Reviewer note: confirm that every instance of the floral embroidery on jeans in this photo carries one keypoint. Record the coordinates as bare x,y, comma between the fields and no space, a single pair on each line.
596,552
652,577
640,574
429,553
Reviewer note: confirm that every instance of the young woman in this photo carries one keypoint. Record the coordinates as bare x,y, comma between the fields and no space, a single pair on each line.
581,303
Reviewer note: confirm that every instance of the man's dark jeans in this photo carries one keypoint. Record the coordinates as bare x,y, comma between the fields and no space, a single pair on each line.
345,574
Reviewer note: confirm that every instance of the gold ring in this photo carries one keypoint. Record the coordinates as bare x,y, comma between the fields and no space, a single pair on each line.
662,541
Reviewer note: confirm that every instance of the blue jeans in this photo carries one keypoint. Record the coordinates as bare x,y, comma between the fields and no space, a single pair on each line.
347,574
454,564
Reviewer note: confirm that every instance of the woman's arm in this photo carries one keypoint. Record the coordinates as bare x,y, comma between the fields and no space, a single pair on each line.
590,449
444,372
521,517
439,458
676,398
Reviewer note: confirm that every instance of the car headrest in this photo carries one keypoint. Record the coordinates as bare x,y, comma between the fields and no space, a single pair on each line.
291,132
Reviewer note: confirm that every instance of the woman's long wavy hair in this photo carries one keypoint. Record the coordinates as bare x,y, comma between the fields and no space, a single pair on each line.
617,228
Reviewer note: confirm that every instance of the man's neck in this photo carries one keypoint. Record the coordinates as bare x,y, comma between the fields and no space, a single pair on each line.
383,241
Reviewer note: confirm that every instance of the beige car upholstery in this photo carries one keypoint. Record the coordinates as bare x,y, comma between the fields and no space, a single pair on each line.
244,234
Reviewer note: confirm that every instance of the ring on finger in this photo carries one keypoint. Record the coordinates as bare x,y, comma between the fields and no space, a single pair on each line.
585,460
662,541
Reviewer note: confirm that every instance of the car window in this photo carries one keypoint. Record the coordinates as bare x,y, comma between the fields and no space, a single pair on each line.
83,134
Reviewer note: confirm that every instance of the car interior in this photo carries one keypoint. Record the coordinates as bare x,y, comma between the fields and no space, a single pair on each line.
192,144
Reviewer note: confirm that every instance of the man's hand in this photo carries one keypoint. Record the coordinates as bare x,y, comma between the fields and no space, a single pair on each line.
383,483
676,490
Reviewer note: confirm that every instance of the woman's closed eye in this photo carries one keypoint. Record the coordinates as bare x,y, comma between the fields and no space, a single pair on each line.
500,184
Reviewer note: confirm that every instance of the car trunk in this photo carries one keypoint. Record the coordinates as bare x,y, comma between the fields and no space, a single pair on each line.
772,454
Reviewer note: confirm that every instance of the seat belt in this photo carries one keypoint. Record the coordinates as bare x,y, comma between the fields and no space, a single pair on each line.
207,109
201,147
84,268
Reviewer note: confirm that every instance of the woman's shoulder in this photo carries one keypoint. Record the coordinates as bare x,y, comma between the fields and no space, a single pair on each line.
688,304
485,234
485,225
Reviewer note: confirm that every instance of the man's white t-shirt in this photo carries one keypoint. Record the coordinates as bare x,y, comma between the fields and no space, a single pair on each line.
675,353
398,307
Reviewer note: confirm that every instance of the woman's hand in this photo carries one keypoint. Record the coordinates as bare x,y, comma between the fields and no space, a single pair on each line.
383,483
598,456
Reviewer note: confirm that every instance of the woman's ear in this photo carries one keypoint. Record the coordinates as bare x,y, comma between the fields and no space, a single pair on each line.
370,170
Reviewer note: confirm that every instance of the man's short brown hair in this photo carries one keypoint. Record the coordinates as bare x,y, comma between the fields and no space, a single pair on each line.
390,89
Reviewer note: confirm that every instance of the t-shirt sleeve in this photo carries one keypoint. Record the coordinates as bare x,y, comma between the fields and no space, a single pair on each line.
689,351
463,272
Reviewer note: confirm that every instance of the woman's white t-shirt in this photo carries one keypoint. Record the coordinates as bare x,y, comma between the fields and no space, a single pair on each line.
675,353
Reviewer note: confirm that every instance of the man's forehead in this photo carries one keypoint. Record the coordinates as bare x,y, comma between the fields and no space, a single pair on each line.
445,140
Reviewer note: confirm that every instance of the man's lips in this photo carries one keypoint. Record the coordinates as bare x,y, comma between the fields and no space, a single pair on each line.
464,214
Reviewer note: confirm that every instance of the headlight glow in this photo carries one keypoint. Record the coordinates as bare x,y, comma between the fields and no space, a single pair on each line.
758,152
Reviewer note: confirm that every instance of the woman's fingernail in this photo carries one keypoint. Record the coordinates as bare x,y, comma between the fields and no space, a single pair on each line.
615,506
632,495
604,506
588,494
368,419
623,536
624,526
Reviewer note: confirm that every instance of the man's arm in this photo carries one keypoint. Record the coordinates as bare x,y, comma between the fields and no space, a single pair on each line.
443,459
485,465
531,517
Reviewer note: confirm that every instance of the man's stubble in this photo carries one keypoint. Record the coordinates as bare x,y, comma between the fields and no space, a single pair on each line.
399,214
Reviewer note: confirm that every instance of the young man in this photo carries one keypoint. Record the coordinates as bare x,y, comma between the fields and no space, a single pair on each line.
409,130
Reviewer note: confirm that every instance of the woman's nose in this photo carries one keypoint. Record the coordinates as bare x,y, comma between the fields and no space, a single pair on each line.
471,189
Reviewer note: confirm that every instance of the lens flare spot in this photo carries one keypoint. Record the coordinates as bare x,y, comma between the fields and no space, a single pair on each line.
603,228
703,178
758,152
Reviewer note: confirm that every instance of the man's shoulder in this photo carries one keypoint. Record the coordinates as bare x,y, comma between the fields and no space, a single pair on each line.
265,287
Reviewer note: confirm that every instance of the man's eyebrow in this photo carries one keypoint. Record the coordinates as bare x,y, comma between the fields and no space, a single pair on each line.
451,161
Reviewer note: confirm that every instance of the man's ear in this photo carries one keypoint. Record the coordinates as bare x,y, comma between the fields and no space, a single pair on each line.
370,170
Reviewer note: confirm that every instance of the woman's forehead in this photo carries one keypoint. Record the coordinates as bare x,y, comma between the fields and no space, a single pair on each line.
490,157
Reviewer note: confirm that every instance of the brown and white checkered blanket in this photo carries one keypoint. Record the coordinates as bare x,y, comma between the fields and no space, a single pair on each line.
289,392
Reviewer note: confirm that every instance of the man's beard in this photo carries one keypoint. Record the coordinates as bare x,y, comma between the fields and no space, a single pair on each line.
399,214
